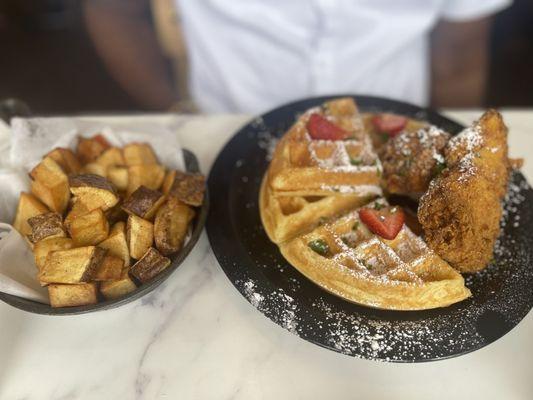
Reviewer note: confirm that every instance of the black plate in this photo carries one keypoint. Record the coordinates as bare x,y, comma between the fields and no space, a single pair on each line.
502,294
191,165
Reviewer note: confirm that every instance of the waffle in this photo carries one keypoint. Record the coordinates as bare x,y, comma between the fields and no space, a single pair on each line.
359,266
284,217
302,166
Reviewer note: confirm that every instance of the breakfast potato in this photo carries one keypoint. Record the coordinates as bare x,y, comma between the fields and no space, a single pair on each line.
93,211
118,176
139,154
170,176
66,159
151,264
143,202
72,266
93,191
151,176
46,225
110,157
94,169
188,188
50,185
77,209
116,244
73,295
171,225
28,206
110,269
118,288
88,150
89,229
140,236
45,246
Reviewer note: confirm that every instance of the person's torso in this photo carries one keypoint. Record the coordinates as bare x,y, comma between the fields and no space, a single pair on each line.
251,55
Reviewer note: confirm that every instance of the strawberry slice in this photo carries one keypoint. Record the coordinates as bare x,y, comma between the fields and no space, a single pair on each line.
391,124
320,128
385,222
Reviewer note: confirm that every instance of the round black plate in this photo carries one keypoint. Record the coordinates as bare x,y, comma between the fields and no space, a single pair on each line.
191,165
502,293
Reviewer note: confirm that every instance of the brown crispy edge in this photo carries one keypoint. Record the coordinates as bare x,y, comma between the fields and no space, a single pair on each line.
150,265
141,201
96,260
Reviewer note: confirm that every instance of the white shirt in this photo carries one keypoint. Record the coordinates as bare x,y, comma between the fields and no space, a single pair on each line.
253,55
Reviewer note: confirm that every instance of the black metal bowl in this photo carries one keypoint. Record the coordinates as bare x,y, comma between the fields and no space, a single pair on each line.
502,294
191,165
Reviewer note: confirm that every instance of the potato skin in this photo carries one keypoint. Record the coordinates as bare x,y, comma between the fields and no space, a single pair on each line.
171,225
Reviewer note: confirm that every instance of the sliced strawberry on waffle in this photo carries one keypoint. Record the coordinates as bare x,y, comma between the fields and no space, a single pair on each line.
320,128
385,222
391,124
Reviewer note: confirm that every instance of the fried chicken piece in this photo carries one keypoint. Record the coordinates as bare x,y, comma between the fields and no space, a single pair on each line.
411,159
460,213
485,140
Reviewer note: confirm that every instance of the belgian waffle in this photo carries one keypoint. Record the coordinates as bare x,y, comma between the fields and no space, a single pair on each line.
347,259
284,217
302,166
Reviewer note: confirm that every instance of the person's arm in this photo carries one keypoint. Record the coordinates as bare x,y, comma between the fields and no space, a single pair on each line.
459,63
128,45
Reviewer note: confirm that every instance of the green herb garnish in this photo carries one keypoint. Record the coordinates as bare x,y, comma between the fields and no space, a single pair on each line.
365,264
378,206
439,167
356,161
355,226
319,246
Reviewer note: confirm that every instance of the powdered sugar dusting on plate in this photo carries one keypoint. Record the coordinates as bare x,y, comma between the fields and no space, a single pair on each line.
395,336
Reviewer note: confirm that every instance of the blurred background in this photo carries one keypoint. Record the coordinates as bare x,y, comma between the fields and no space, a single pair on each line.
49,61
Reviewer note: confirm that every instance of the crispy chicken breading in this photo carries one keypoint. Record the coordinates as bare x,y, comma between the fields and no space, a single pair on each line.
460,213
411,159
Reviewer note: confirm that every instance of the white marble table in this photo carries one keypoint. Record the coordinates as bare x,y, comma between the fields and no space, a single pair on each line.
196,338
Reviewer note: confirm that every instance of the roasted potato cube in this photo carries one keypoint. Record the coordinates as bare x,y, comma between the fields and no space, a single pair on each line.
189,188
140,236
43,247
171,225
116,244
78,209
93,191
150,176
50,185
73,295
118,176
28,206
94,169
110,157
72,266
66,159
151,264
143,202
168,181
46,225
115,289
139,153
89,229
110,269
89,149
